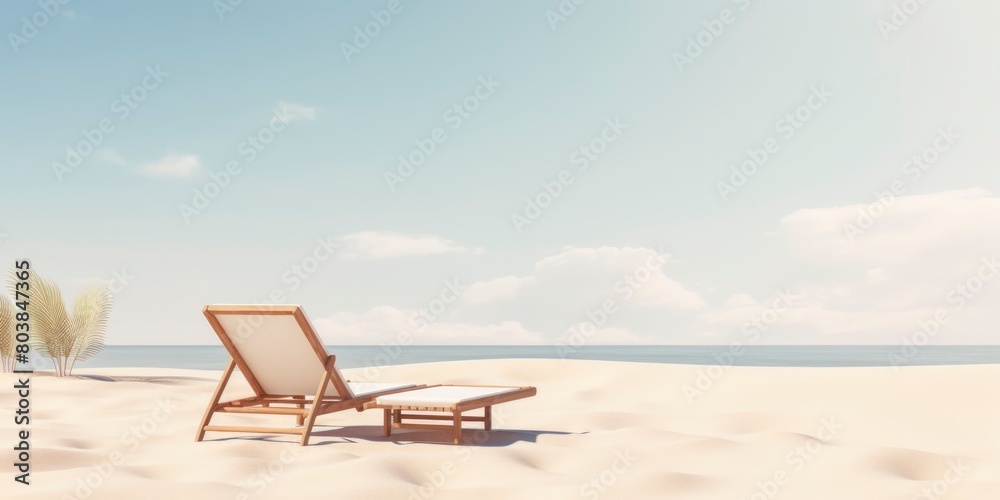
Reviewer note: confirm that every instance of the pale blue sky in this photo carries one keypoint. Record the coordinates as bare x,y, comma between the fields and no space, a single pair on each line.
323,176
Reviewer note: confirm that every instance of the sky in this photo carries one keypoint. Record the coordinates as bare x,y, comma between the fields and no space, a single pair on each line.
515,172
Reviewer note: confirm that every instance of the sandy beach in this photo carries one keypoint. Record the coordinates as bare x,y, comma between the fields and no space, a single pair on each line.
595,430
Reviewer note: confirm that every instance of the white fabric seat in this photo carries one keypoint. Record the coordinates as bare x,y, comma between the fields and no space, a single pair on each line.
441,396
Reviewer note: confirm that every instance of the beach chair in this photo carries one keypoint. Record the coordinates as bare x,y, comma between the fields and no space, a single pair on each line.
282,358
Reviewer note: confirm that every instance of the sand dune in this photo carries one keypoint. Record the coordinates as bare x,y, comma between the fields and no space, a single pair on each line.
595,430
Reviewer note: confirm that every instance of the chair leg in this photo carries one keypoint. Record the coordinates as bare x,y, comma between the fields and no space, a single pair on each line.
215,400
300,419
458,427
387,423
488,422
316,402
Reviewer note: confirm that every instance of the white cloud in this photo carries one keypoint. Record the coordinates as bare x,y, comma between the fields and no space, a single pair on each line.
493,290
295,111
383,324
634,275
877,275
109,156
908,255
577,285
387,245
180,166
879,288
540,308
912,228
741,300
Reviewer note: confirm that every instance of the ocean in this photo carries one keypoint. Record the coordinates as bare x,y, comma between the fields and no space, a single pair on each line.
215,357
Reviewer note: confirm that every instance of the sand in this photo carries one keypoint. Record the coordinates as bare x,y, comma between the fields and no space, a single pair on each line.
595,430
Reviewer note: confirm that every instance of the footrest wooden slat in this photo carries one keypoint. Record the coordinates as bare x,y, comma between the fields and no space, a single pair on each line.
266,411
432,427
262,430
410,416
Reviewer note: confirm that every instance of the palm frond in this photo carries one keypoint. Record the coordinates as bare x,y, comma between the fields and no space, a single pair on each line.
7,332
91,311
54,332
51,328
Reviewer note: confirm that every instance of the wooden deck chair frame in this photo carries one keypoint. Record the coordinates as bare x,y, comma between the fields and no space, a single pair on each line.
305,407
